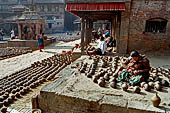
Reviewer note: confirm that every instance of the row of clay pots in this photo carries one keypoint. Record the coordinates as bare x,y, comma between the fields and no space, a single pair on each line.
8,53
26,81
67,39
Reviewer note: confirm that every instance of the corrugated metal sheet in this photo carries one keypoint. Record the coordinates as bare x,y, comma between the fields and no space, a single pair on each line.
74,7
93,1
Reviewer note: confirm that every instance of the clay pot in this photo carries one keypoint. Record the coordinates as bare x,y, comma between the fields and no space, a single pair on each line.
13,96
28,88
1,98
82,70
4,109
1,104
101,82
112,79
124,86
157,82
165,83
156,100
137,89
151,84
6,103
147,87
113,84
10,100
17,94
17,90
5,95
142,84
158,87
22,92
106,77
110,59
95,78
13,91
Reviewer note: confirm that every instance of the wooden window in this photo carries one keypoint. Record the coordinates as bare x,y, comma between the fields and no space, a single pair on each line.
156,26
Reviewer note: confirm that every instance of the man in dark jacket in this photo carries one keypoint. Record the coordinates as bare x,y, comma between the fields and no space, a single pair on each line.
135,69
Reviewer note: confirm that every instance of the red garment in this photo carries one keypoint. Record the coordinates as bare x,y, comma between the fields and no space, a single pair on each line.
41,47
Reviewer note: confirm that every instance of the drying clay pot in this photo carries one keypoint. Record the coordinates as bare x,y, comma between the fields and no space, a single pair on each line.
106,77
1,104
142,84
101,82
158,87
95,78
151,84
165,83
147,87
113,84
124,86
137,89
4,109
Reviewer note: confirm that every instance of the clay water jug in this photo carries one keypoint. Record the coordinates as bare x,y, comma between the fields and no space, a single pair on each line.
156,100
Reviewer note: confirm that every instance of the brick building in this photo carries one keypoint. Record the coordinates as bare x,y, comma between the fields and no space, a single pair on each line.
50,10
142,25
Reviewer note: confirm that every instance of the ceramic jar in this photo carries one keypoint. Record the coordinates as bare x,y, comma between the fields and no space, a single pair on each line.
156,100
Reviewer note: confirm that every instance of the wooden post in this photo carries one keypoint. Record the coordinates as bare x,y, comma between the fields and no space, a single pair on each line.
118,22
37,29
86,32
113,30
19,31
91,28
82,35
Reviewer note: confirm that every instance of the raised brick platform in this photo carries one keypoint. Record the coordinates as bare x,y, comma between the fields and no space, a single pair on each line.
73,92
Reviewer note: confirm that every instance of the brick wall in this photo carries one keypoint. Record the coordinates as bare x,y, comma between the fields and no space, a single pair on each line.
3,45
142,11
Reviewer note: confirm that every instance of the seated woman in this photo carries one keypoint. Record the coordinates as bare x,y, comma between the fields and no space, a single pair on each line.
135,69
101,48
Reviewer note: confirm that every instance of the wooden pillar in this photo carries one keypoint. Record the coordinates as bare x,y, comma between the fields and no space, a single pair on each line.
19,31
43,26
91,28
112,31
89,31
118,22
37,28
86,32
82,35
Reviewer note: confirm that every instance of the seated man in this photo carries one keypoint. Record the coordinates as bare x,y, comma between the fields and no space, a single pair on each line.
135,69
101,48
111,42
